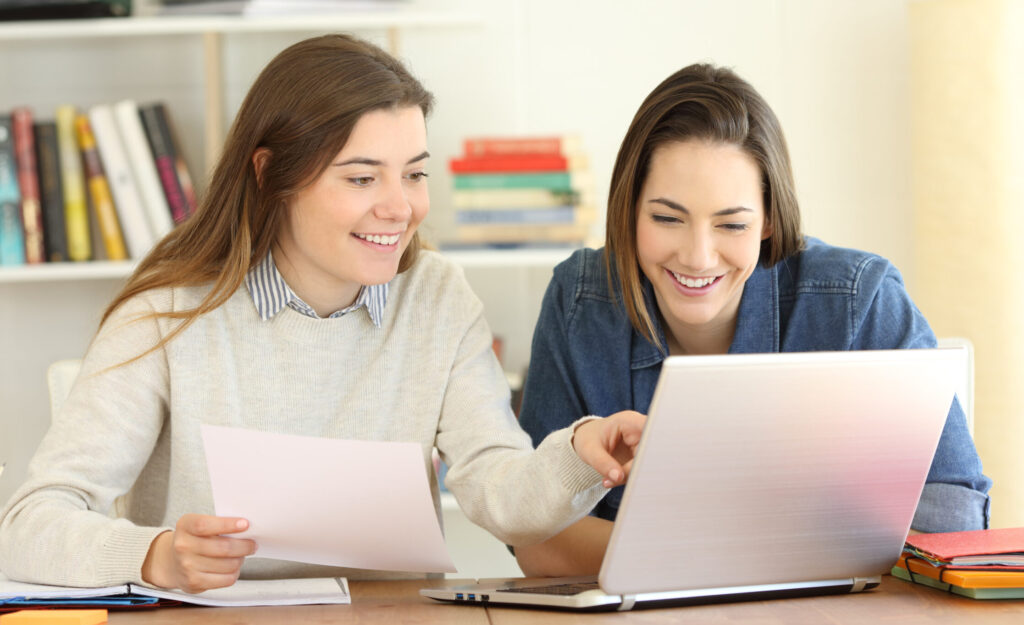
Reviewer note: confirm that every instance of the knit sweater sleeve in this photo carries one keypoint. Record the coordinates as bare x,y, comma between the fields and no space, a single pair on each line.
520,495
55,529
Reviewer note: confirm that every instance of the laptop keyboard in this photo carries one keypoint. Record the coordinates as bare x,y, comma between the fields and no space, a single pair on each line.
556,589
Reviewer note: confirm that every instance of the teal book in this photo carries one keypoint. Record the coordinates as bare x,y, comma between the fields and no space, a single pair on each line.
12,234
563,181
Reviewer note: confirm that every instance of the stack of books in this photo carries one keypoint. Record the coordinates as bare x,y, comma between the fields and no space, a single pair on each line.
99,184
981,564
522,192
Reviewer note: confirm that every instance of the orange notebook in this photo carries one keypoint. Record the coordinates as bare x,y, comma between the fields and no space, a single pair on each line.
966,578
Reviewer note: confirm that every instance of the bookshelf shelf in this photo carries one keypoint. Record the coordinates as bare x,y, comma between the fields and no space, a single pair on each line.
105,270
57,272
199,24
211,29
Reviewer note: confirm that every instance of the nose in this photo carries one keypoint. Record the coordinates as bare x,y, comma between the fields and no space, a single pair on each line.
393,203
697,251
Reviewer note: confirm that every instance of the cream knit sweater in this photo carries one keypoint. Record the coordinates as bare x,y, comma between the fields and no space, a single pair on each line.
427,375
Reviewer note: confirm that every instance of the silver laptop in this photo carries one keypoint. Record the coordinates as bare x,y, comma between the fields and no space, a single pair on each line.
763,476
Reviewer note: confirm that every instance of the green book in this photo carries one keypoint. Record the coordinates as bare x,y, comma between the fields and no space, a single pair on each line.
556,181
973,593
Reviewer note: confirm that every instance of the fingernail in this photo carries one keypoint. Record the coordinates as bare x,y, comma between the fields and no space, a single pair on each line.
241,524
607,483
616,475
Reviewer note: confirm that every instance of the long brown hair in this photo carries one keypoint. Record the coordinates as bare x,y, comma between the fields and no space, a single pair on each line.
301,109
704,102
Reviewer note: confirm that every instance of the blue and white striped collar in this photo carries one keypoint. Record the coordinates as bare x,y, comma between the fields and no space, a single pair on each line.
270,293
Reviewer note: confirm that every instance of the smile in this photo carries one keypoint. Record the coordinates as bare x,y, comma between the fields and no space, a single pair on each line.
379,239
693,283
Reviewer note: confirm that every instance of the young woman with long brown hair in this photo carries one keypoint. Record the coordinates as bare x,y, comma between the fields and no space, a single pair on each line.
296,300
704,254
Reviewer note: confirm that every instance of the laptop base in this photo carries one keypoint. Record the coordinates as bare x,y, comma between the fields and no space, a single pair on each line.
524,593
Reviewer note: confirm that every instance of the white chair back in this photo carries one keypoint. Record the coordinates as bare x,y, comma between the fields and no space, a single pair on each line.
965,388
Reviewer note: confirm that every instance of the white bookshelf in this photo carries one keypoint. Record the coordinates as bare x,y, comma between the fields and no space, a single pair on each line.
210,30
114,270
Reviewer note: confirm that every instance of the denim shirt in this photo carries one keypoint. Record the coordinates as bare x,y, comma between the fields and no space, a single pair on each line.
588,360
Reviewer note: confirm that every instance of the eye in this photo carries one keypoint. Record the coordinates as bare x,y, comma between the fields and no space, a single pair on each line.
361,181
665,219
736,227
417,176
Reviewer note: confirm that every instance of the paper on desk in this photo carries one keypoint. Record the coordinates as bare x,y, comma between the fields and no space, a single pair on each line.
359,504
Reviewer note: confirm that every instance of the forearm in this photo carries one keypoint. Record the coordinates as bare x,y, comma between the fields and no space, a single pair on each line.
577,550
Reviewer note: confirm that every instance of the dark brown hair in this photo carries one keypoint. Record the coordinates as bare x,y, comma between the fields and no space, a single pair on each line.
709,103
301,110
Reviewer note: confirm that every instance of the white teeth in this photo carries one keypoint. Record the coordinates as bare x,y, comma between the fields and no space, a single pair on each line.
381,240
690,282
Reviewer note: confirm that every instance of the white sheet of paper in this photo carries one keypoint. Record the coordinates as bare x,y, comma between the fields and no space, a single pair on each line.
359,504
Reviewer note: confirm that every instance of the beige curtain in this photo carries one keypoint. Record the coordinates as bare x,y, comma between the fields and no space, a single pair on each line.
967,93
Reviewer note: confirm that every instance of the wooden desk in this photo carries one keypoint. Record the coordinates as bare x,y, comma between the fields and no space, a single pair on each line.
372,602
895,601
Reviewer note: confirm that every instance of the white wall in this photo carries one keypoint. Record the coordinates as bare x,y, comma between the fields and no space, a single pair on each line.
835,72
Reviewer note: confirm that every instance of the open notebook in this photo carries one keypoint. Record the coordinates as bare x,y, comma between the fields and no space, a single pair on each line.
244,592
760,476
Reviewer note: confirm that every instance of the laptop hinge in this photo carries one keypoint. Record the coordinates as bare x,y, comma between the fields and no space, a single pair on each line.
859,583
628,601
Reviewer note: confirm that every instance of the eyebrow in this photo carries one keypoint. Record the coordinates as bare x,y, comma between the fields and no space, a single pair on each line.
679,207
358,160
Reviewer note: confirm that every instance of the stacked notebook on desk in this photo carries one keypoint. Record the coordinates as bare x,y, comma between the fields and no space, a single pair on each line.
981,564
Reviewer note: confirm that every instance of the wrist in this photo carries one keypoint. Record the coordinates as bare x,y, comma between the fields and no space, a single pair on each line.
154,567
575,428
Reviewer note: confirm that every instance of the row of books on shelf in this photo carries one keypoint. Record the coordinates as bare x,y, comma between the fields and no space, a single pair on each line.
104,183
522,191
981,564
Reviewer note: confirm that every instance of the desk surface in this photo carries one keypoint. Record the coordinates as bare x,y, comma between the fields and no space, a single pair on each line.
895,601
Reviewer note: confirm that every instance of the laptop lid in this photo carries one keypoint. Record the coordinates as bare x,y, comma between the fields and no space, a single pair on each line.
778,468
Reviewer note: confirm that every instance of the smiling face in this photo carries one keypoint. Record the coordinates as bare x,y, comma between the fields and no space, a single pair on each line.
700,222
350,227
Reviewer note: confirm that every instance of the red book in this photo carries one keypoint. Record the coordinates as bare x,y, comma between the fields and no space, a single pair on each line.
28,181
516,163
975,547
496,146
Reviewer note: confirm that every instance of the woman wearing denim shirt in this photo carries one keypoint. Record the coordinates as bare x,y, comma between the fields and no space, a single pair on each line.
704,255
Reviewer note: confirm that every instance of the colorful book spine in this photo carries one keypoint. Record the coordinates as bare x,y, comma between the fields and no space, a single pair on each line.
12,234
130,211
552,215
99,191
165,159
482,199
501,146
512,233
140,157
51,196
76,211
517,163
28,182
180,166
553,181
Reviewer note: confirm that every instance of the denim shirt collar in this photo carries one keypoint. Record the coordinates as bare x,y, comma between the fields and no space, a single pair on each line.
757,322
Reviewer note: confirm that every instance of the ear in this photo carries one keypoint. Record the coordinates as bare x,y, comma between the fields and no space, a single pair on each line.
766,230
260,158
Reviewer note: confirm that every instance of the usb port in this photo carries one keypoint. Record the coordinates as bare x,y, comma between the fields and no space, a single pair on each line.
458,595
472,597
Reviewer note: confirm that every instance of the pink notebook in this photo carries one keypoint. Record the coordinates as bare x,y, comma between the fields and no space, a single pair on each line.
977,547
